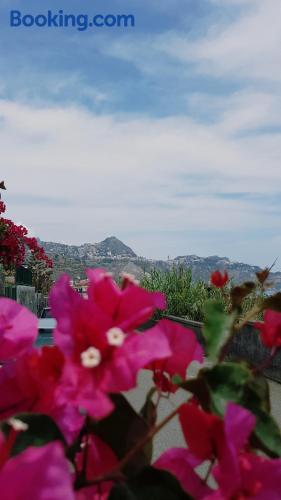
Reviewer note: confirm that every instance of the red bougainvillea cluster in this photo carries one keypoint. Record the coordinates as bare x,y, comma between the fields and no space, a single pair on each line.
14,240
68,431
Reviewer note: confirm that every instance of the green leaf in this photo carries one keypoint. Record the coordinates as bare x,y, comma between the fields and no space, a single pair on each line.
177,379
267,433
122,430
150,484
200,389
226,382
217,328
41,430
256,394
149,414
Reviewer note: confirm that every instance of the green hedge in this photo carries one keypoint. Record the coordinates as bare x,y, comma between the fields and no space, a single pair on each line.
185,297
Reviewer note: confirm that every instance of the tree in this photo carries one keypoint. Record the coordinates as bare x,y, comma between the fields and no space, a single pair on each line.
42,275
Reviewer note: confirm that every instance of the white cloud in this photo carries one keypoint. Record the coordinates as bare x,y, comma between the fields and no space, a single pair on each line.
247,48
132,174
243,111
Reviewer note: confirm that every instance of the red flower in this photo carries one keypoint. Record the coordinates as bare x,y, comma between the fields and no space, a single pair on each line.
208,435
203,431
270,329
13,242
185,349
218,279
100,461
35,383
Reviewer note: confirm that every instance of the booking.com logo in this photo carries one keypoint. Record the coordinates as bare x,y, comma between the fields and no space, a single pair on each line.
81,22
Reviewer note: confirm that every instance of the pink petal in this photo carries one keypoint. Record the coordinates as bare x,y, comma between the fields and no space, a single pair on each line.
238,425
80,322
269,471
128,308
103,290
69,419
181,463
18,329
184,346
98,406
101,460
78,388
137,351
37,474
64,301
137,306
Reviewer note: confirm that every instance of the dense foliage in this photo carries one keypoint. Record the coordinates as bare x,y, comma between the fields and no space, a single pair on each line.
42,275
187,298
184,296
14,240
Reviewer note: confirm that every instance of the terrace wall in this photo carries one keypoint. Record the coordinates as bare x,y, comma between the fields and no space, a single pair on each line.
245,345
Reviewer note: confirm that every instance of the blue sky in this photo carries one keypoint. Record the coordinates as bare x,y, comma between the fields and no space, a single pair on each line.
167,135
93,61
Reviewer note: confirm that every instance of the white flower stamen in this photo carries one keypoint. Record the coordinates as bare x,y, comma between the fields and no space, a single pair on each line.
115,336
91,357
17,424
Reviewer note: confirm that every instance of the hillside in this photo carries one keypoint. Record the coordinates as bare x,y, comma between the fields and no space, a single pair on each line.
110,247
117,257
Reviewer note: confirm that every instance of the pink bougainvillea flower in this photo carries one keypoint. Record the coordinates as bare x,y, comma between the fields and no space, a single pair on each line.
240,474
80,321
209,436
37,474
238,425
129,306
18,329
181,463
34,383
185,349
257,477
219,279
89,381
103,353
100,461
271,329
